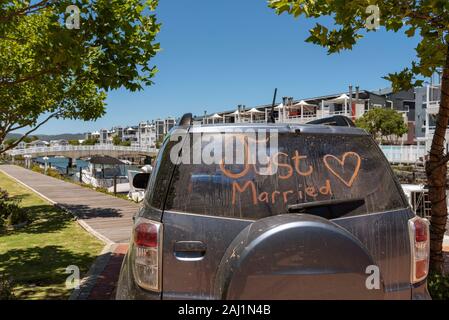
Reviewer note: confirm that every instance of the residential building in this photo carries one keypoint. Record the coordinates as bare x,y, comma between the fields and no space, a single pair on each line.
37,144
105,136
92,135
163,126
352,104
431,95
130,135
118,132
428,100
146,136
21,145
59,143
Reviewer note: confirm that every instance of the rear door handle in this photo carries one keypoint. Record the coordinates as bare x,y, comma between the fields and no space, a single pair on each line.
189,250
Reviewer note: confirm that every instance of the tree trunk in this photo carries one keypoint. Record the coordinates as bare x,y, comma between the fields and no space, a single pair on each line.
436,177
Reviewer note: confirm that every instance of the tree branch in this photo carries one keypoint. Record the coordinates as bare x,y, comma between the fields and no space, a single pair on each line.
15,143
12,39
4,82
27,10
441,162
435,21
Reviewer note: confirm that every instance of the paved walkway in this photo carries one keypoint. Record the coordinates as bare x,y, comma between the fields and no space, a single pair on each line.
107,217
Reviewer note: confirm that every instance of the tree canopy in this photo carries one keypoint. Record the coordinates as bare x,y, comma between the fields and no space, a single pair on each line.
117,141
383,123
428,19
74,142
90,142
48,70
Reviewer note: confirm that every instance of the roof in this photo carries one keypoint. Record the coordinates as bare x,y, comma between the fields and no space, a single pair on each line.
280,127
363,94
383,91
105,160
38,142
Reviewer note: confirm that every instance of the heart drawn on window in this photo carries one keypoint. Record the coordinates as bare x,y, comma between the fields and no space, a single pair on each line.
336,165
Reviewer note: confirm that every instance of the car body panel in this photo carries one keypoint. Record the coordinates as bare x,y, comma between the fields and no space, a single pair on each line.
186,279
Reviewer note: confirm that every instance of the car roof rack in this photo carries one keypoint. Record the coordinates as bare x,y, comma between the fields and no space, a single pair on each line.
186,120
338,121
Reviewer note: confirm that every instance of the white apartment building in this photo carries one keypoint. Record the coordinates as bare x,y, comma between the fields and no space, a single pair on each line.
146,135
59,143
350,104
105,137
130,134
428,105
163,126
92,135
37,144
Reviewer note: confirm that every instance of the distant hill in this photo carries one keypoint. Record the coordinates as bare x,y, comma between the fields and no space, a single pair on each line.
48,137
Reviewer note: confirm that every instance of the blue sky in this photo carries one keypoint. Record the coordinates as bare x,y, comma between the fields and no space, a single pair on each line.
218,54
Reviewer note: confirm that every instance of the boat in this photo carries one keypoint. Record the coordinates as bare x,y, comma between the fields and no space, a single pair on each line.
135,194
418,198
104,172
127,162
119,188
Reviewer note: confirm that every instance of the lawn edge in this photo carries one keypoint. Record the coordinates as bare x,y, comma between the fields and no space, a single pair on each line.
80,222
88,282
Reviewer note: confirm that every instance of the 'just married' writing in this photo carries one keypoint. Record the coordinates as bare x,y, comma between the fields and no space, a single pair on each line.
345,169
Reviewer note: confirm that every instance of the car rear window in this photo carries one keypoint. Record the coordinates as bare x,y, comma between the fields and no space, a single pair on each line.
310,168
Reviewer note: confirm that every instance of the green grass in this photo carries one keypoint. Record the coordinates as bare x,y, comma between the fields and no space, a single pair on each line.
36,256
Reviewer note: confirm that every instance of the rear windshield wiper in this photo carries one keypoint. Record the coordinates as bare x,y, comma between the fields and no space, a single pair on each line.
329,209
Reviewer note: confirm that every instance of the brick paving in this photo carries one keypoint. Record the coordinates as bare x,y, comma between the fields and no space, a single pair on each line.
104,288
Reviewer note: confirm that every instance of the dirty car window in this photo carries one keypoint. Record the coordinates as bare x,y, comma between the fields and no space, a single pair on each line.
309,168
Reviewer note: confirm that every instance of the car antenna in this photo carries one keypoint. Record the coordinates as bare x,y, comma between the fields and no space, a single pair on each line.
271,119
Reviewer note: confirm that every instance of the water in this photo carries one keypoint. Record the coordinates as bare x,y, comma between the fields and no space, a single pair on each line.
61,165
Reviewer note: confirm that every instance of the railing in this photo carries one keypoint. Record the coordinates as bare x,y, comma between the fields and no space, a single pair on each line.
49,150
298,118
394,154
404,154
306,117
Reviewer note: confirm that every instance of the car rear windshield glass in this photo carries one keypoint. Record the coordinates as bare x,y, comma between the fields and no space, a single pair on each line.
309,169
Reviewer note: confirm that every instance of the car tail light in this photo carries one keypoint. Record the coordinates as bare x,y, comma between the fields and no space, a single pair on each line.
146,254
420,248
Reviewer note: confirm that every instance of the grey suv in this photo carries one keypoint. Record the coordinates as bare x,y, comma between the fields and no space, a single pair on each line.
330,221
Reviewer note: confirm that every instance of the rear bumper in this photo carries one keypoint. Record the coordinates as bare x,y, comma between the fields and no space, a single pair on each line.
128,290
420,292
